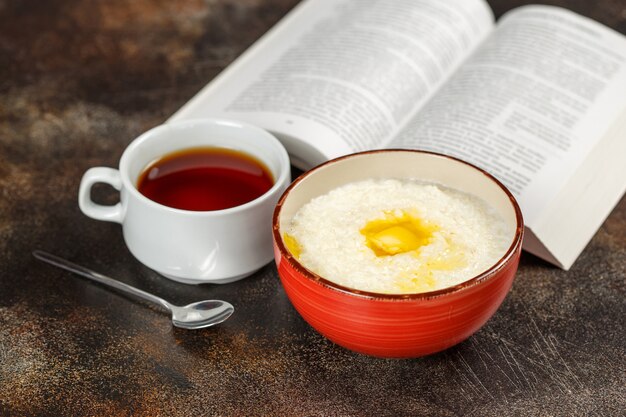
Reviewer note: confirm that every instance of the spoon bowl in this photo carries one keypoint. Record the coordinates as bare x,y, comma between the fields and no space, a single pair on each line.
201,314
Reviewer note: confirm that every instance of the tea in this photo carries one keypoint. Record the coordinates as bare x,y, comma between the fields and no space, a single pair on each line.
205,179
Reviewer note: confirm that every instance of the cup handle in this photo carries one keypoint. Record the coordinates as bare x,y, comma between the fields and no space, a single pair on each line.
104,175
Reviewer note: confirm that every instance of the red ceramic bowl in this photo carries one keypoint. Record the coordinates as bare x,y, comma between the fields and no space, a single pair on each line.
397,325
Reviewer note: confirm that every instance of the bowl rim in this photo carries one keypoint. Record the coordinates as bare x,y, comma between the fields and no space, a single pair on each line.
474,281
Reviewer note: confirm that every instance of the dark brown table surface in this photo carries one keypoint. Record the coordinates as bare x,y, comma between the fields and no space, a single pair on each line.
78,81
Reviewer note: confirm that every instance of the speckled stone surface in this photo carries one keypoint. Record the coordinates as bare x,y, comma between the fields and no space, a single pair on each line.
78,81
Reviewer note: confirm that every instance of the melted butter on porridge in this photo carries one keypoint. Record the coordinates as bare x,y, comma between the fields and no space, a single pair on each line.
397,236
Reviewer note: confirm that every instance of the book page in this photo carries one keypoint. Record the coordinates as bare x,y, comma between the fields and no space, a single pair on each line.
343,75
530,104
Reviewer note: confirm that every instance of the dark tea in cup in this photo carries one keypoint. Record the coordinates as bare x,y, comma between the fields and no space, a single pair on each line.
224,179
205,179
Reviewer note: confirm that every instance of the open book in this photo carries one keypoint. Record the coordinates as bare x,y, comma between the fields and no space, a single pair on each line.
538,99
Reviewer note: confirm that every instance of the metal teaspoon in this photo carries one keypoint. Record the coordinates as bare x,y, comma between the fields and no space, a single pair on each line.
192,316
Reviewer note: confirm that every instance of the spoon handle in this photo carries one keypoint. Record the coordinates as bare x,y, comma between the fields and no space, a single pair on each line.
95,276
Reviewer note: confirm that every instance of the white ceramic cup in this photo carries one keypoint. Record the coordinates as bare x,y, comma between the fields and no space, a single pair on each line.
192,246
